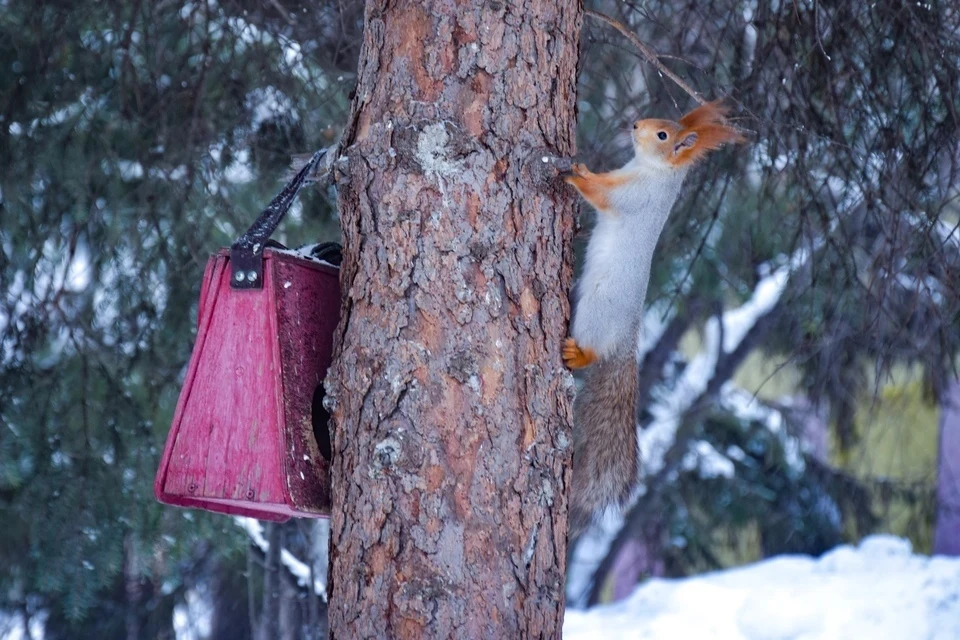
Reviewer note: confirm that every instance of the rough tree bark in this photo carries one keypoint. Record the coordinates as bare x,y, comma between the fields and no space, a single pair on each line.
451,407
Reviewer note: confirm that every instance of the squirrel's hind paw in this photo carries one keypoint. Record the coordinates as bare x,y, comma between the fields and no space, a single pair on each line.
575,357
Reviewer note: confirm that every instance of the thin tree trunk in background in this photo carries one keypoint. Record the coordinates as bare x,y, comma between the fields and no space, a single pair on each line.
450,403
946,539
230,600
270,618
291,615
319,566
131,574
251,598
638,559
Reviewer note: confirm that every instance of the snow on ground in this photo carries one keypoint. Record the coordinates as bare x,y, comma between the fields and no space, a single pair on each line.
11,626
879,590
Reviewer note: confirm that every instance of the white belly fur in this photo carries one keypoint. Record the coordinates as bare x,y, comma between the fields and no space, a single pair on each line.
612,288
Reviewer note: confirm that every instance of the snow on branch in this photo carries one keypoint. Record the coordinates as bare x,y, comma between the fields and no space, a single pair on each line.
745,406
297,568
730,329
709,462
948,234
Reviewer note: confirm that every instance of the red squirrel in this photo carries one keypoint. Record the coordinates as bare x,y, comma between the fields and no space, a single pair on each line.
632,206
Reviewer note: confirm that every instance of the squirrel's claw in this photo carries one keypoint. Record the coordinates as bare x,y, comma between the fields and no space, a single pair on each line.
576,357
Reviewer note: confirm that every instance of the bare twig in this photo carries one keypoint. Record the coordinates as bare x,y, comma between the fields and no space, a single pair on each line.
652,56
282,11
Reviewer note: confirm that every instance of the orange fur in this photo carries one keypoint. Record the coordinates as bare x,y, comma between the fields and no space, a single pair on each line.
575,356
712,130
595,187
711,112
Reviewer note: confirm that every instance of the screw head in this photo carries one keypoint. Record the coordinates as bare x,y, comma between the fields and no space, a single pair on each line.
252,276
241,276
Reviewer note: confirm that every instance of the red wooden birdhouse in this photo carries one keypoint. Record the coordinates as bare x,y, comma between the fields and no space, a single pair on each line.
249,435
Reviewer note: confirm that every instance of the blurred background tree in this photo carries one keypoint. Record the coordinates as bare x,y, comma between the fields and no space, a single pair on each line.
804,310
135,139
805,322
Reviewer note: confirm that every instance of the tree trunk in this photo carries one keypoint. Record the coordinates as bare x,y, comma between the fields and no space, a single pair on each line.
638,559
450,403
270,618
132,586
946,539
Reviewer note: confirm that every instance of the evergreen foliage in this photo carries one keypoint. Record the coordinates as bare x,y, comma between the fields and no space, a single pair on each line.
135,139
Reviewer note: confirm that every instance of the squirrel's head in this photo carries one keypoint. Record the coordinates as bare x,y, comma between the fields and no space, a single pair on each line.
668,144
657,142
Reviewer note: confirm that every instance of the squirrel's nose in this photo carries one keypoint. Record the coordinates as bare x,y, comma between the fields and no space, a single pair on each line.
635,125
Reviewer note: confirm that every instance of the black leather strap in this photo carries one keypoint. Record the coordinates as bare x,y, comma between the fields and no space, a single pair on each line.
246,254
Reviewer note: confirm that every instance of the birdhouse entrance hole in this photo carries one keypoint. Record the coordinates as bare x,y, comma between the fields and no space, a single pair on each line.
321,423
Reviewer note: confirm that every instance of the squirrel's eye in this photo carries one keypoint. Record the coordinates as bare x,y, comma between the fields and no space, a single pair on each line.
662,135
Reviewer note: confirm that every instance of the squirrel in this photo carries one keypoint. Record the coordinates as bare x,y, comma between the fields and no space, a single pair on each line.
632,205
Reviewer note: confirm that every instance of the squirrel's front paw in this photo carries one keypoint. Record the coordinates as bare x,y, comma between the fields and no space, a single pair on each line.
576,170
576,357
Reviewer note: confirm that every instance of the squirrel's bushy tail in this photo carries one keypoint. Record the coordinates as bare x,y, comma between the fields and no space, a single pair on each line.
604,439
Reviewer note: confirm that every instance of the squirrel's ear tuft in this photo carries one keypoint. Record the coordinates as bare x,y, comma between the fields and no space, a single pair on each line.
709,113
703,130
686,140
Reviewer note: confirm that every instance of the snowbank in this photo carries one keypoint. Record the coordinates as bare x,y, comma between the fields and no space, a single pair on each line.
879,590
